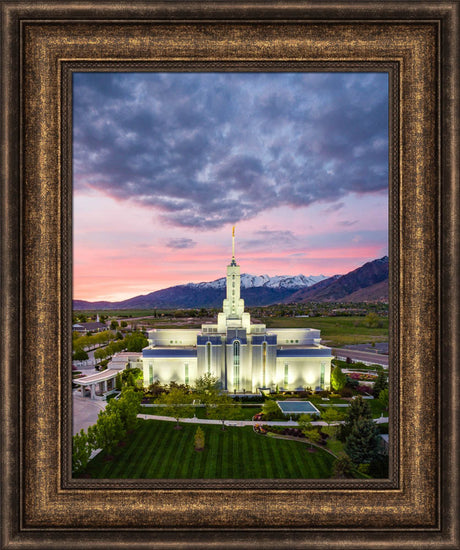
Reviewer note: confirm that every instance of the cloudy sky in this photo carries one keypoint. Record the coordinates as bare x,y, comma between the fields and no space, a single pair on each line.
166,163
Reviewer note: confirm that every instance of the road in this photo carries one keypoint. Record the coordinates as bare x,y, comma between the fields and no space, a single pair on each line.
364,356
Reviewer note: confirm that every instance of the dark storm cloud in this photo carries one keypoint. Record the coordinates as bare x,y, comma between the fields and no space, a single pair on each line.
181,243
212,149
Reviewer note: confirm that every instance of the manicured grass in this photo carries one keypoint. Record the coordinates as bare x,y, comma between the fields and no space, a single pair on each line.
336,331
333,444
156,450
377,408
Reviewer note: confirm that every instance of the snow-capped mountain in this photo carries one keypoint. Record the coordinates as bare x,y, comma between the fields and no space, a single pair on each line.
256,281
367,283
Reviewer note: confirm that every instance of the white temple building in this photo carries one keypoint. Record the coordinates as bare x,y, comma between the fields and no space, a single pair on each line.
244,356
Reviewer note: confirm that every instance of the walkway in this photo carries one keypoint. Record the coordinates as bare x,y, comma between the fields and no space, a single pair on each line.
241,423
85,411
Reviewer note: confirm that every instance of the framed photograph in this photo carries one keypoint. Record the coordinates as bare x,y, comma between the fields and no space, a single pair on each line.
225,317
46,50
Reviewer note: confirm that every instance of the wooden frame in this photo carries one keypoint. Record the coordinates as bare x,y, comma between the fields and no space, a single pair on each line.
418,44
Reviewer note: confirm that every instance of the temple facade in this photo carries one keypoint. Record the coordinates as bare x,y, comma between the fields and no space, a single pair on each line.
244,356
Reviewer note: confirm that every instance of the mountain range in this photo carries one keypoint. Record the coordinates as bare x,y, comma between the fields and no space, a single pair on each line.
367,283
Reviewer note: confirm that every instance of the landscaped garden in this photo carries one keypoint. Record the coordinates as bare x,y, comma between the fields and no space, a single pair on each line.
157,450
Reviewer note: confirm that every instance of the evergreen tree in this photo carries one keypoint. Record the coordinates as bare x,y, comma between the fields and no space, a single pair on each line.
338,379
359,409
378,468
343,467
380,384
384,398
362,445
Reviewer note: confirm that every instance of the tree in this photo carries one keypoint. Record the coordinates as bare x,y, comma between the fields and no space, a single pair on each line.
123,324
131,376
156,389
177,404
271,410
118,381
304,423
338,378
362,445
359,409
313,436
135,341
109,430
207,386
199,439
127,407
330,415
380,384
100,353
372,320
384,398
81,451
113,325
222,408
80,355
343,467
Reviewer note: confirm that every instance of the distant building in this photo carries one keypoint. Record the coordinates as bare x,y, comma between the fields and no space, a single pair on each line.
244,356
94,326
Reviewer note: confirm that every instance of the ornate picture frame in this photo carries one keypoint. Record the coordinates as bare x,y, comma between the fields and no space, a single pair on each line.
417,43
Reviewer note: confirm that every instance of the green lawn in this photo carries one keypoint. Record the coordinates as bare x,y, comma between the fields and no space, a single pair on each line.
336,331
158,451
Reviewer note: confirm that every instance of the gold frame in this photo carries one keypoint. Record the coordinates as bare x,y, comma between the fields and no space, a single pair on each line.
417,43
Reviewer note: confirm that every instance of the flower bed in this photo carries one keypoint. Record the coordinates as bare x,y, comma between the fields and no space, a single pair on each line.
362,376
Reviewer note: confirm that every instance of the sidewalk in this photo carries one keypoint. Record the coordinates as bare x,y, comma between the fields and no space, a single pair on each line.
241,423
85,411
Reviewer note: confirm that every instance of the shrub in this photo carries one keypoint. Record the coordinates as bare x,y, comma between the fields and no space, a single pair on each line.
199,439
346,392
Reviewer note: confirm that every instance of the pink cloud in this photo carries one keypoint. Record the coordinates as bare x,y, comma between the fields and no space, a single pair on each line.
122,250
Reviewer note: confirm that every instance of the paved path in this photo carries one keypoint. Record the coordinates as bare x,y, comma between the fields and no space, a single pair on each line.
241,423
85,411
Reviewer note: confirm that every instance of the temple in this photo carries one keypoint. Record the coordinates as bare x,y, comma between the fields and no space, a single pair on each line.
244,356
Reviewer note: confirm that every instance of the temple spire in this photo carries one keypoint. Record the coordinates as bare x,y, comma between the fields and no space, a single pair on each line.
233,262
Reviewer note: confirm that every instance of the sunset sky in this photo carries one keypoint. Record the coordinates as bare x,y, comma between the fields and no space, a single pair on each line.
166,163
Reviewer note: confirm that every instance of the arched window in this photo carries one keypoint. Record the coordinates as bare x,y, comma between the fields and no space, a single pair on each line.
208,357
236,364
264,362
323,369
